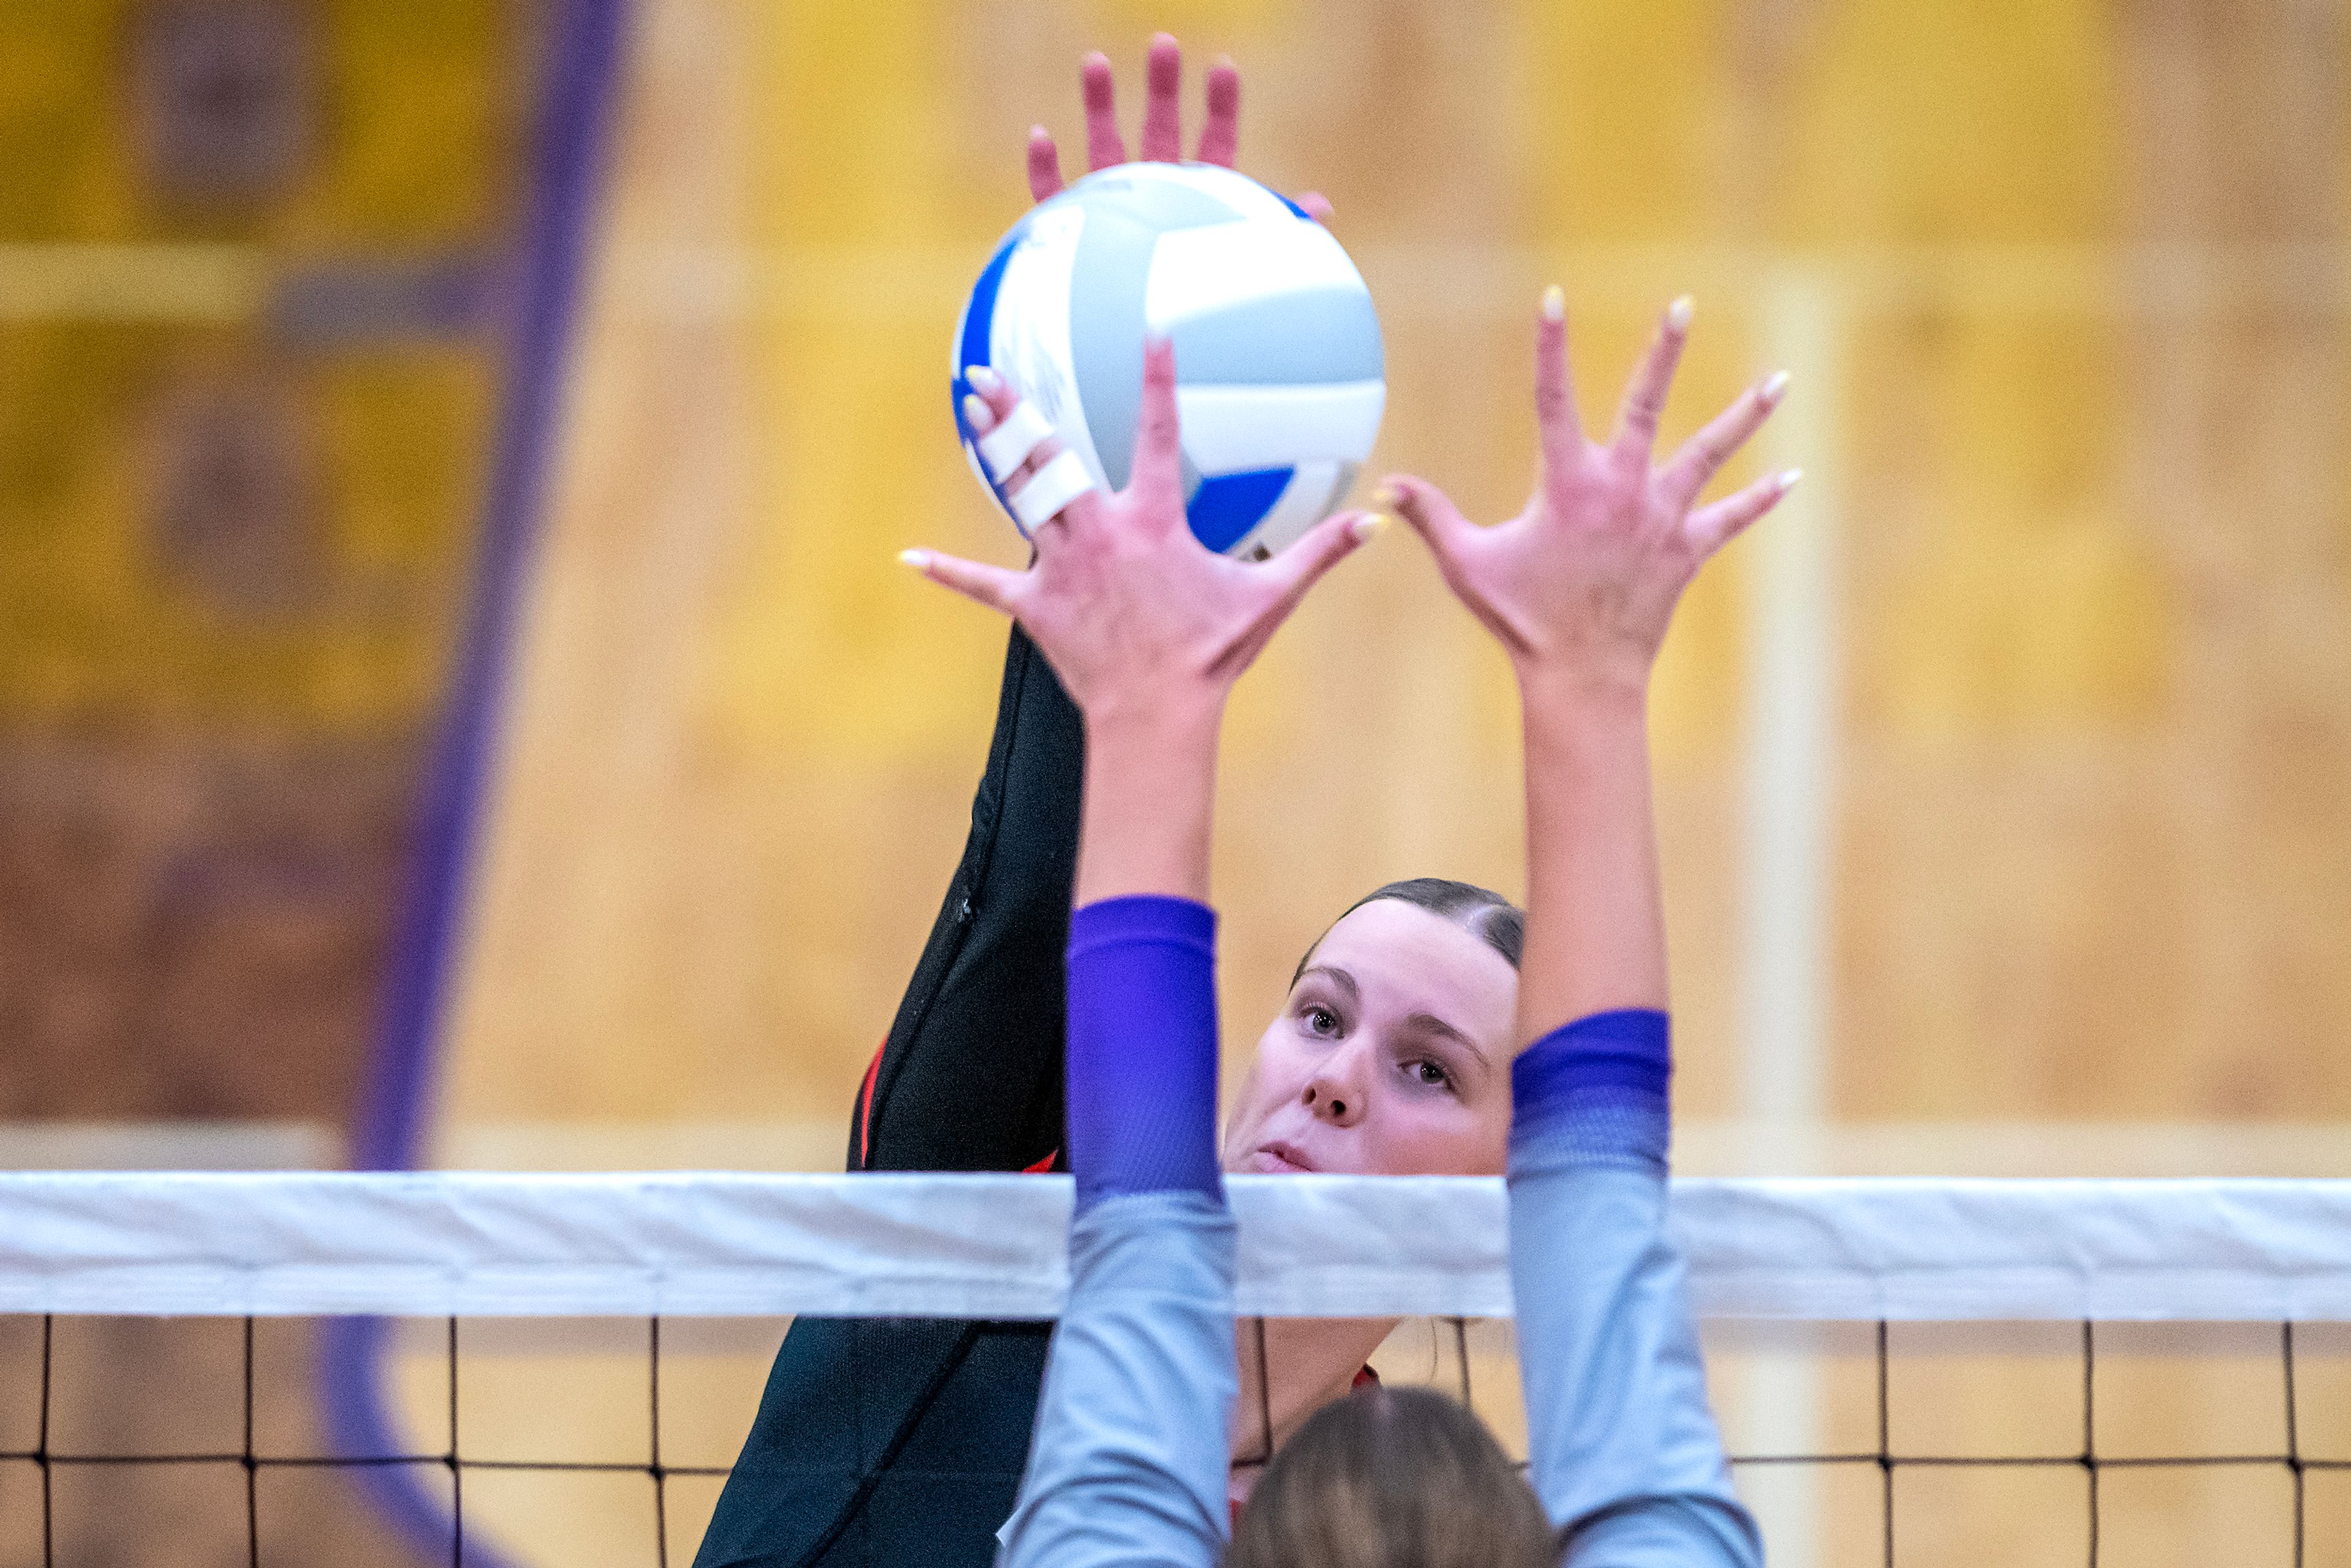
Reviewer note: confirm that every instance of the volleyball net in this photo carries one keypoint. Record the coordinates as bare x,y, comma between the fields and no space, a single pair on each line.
1908,1372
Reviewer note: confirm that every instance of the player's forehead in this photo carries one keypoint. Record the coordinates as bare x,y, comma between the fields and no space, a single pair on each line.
1401,957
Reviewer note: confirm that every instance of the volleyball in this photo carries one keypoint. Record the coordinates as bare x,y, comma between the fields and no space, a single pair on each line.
1279,371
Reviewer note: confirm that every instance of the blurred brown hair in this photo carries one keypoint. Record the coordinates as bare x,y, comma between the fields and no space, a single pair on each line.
1393,1477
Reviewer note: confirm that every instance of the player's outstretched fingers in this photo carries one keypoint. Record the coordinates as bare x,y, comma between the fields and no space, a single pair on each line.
1020,437
1013,438
1558,426
1294,571
1054,482
1429,512
1319,549
990,585
1712,528
1703,454
991,385
1645,394
1104,145
1044,165
1163,110
1156,478
1220,137
1000,448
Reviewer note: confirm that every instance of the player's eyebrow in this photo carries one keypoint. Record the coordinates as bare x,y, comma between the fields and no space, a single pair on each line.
1424,1022
1430,1023
1337,977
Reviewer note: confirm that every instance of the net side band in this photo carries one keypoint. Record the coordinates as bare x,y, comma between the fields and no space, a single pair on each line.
716,1245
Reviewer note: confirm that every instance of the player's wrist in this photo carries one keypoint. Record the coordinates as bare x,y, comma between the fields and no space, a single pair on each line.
1150,784
1584,688
1159,721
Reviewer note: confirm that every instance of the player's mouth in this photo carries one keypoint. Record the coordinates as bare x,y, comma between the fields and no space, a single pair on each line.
1279,1158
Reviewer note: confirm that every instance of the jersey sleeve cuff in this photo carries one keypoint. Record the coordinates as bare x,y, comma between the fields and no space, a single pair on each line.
1594,1089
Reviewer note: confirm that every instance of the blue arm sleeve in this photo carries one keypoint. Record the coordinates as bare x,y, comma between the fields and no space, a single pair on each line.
1128,1466
1143,1048
1622,1445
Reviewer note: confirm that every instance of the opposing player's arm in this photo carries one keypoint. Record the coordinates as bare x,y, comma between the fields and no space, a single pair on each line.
1578,589
1163,128
969,1076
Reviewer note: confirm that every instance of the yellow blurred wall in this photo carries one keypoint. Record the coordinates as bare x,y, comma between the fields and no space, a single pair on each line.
2087,728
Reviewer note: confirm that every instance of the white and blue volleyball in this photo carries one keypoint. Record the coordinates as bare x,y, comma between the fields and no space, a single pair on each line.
1280,378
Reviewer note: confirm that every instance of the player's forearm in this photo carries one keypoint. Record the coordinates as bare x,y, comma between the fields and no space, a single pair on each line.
1142,1079
1127,1465
1596,923
1151,785
1622,1446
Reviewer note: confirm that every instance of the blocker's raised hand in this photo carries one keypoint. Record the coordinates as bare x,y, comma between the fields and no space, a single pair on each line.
1163,122
1584,581
1135,614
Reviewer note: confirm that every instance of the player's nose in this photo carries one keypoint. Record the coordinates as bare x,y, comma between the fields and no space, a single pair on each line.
1336,1093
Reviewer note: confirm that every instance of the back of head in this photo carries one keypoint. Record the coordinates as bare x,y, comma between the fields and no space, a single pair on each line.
1393,1477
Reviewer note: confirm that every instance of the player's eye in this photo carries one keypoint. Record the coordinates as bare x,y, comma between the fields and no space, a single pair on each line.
1429,1073
1320,1020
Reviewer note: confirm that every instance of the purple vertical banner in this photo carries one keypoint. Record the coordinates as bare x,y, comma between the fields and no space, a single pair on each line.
539,298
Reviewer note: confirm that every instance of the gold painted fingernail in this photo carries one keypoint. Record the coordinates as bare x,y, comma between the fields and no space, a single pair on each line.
1787,480
920,559
1370,526
983,379
1680,311
1555,303
1774,385
1386,498
976,413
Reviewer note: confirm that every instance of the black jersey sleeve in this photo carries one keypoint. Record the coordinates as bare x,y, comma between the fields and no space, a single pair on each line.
899,1443
969,1077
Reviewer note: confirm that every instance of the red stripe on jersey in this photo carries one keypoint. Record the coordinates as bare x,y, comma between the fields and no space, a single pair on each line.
865,1104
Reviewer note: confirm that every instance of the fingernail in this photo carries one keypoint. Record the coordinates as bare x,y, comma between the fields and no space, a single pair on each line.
1370,526
920,559
982,379
1774,385
1035,131
976,413
1555,303
1386,498
1787,480
1680,311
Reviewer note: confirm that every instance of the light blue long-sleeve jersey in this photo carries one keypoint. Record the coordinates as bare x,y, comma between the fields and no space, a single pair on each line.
1128,1467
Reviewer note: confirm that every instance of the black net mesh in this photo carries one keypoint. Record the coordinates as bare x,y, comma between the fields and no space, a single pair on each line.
128,1440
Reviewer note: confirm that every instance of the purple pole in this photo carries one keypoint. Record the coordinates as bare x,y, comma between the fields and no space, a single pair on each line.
574,126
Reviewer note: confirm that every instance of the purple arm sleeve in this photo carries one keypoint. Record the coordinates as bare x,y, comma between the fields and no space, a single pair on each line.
1602,1079
1143,1048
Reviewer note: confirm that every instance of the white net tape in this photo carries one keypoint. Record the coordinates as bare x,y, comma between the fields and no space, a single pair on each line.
717,1245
